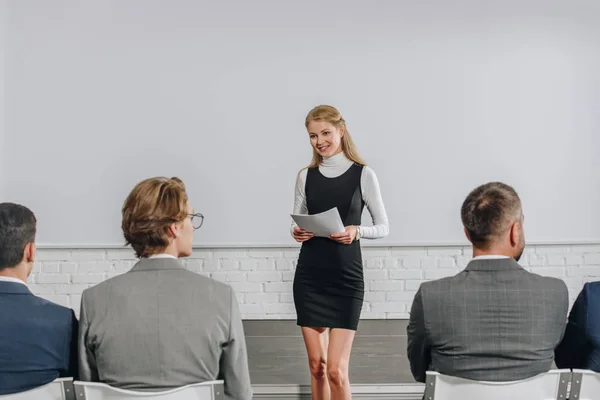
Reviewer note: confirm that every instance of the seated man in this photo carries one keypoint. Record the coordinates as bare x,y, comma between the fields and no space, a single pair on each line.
160,326
38,339
494,321
580,347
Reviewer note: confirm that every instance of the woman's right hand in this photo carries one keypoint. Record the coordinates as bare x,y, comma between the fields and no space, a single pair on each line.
301,235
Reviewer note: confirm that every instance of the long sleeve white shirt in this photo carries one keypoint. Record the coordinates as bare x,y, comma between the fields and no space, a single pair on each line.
335,166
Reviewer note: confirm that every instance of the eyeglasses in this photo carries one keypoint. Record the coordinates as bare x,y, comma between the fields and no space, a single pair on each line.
198,221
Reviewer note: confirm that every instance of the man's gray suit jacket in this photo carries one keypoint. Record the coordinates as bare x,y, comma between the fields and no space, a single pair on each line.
160,326
494,321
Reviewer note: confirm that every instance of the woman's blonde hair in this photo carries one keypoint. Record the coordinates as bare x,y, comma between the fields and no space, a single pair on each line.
148,212
332,115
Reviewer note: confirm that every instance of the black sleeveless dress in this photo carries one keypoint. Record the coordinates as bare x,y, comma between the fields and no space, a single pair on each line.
328,283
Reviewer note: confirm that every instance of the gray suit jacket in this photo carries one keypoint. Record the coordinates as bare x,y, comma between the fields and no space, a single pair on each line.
160,326
494,321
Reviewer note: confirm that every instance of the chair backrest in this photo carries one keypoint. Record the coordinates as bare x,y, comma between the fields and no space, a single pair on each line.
585,385
551,385
212,390
60,389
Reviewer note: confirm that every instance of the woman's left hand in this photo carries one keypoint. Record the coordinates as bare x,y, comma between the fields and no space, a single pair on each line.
345,237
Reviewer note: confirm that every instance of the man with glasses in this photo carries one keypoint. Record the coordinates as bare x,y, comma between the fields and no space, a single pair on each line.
160,326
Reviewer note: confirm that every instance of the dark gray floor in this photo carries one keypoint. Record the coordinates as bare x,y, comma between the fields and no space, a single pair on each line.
277,356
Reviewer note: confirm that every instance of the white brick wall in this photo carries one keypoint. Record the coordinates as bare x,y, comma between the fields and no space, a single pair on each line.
263,278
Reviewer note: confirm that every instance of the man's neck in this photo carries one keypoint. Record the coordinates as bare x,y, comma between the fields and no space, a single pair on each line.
15,272
170,250
490,252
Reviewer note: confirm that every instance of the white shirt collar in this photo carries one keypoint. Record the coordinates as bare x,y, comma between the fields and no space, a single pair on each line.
161,256
11,279
336,160
490,257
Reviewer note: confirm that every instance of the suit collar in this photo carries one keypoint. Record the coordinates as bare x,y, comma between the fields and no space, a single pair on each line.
504,264
11,279
157,264
162,255
490,257
13,288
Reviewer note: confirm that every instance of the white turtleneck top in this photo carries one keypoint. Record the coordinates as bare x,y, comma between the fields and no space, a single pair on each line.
335,166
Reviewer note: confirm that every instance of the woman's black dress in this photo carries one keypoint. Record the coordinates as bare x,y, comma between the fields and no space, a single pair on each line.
329,284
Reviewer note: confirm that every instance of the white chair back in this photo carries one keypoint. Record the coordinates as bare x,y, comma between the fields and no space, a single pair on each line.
547,386
212,390
585,385
60,389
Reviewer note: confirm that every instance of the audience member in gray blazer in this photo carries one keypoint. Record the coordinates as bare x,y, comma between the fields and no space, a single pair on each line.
494,321
161,326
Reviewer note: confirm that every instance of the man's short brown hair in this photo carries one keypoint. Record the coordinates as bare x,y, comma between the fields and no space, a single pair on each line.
488,212
151,207
17,230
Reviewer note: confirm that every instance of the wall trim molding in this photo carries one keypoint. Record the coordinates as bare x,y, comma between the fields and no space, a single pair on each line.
365,244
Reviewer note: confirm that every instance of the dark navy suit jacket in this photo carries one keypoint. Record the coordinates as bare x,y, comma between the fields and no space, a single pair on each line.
580,347
38,340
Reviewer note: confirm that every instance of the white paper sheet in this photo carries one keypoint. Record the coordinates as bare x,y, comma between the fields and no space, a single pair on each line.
322,224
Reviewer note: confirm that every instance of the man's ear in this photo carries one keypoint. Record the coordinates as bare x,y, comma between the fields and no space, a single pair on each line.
29,253
515,234
467,235
174,230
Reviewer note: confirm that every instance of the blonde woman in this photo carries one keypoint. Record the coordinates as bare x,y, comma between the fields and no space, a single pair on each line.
328,284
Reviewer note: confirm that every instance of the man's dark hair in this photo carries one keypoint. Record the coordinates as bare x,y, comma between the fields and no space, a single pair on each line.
488,212
17,230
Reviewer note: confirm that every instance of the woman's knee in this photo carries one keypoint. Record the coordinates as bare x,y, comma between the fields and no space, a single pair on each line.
318,366
337,373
